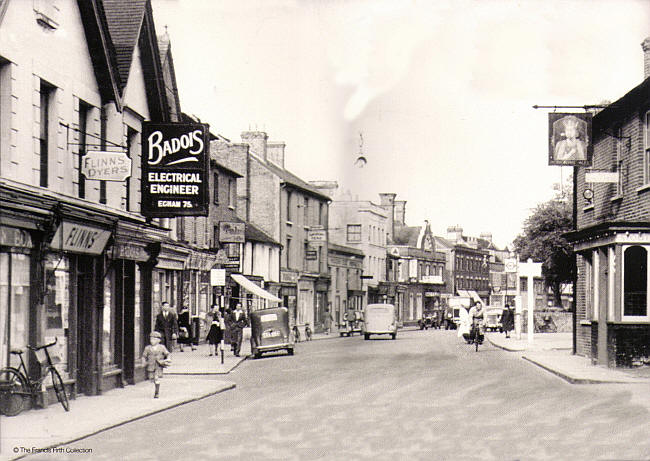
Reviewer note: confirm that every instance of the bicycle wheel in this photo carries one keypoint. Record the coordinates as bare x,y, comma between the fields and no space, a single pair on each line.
61,395
13,392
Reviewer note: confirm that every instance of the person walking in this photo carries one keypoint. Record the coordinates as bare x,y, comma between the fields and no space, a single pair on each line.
237,324
328,321
185,337
215,334
156,357
507,320
167,325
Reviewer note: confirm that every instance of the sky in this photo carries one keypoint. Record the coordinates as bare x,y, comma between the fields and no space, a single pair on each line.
441,91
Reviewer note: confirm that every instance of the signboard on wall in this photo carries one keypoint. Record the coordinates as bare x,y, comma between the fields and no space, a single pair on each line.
175,161
106,166
317,236
232,232
570,141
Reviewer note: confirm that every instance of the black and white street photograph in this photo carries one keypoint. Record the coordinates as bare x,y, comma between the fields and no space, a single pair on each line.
325,230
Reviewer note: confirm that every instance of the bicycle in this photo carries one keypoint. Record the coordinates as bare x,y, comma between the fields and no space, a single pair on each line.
16,386
476,337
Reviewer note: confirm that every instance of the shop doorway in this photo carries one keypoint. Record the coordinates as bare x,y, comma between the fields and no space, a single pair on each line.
85,297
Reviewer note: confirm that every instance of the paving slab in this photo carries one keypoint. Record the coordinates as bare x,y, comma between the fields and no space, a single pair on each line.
579,370
541,342
52,427
200,362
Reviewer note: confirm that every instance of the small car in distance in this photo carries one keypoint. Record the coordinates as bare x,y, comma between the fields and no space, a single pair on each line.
493,318
380,319
270,331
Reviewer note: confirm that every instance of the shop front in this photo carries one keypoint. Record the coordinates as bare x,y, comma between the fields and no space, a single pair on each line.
289,293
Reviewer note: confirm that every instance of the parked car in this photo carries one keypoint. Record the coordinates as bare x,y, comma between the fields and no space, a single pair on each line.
270,331
379,319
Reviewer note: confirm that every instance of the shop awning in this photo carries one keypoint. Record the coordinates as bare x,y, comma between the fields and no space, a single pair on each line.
474,295
254,289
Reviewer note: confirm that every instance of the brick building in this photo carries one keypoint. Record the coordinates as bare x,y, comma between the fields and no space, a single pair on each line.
292,212
612,240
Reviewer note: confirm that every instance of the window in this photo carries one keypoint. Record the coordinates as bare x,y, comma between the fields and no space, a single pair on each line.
232,192
646,155
84,112
102,133
287,253
523,284
131,151
47,92
288,210
215,237
215,186
618,142
354,233
320,214
306,216
635,282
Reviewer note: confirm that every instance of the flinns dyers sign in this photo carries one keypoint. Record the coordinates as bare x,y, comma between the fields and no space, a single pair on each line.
175,160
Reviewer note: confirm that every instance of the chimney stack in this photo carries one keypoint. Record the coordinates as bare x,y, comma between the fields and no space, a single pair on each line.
257,141
387,202
275,153
400,212
646,57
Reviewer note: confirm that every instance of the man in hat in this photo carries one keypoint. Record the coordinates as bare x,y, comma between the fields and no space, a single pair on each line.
238,322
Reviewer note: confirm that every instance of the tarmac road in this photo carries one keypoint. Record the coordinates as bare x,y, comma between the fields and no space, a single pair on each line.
426,395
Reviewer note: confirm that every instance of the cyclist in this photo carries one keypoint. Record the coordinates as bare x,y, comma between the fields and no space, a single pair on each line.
477,320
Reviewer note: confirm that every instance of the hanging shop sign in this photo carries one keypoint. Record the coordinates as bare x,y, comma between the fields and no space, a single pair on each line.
175,163
218,277
106,166
79,238
232,232
570,141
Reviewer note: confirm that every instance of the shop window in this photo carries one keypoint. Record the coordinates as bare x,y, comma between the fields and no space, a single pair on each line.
108,323
635,282
14,293
57,305
354,232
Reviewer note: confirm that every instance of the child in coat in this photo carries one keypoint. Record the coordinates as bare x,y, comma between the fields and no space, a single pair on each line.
156,357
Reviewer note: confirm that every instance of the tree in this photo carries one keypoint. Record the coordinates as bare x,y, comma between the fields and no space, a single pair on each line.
542,241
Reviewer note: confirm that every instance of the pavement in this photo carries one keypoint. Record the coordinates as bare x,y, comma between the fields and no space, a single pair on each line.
553,352
186,380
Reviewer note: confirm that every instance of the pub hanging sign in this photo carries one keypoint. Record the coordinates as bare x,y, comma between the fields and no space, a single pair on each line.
175,162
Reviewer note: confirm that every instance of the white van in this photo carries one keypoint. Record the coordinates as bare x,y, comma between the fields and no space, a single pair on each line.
379,319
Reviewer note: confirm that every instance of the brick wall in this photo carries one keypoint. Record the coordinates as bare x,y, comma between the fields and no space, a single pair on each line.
633,204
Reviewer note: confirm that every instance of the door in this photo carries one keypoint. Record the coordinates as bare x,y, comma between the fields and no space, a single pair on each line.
87,315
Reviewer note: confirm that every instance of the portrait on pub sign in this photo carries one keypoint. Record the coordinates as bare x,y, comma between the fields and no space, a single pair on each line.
569,139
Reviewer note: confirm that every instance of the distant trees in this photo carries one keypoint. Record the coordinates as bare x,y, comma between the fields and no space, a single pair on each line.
542,241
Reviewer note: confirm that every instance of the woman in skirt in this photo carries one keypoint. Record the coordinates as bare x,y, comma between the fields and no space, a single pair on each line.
215,334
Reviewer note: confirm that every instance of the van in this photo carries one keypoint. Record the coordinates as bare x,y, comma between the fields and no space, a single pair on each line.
379,319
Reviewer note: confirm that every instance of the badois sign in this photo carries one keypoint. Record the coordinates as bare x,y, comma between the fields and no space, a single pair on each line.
175,162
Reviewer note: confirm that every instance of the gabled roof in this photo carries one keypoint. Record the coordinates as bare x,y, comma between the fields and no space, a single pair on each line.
295,181
125,21
131,24
255,234
171,88
101,49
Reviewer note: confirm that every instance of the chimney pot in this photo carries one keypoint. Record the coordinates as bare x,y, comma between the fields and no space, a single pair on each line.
646,57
